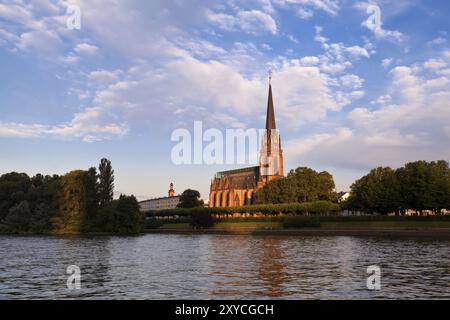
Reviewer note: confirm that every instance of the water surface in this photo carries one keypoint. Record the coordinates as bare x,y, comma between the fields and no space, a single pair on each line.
223,267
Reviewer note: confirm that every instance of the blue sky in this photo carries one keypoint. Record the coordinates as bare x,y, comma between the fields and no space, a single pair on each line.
347,98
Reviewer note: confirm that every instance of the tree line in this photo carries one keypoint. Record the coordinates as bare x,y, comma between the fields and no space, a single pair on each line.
417,186
77,202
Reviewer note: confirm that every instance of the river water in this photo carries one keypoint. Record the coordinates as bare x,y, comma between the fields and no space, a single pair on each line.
223,267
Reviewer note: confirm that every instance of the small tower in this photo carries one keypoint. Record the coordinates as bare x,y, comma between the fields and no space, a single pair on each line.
171,190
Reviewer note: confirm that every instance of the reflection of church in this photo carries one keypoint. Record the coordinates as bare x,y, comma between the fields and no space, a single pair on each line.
237,187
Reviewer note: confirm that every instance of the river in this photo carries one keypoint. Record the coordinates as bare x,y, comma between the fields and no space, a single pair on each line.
158,266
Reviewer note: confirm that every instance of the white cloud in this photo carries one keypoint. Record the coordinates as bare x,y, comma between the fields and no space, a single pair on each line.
86,125
252,21
408,122
305,7
386,63
337,56
86,49
437,41
352,81
104,77
304,13
435,64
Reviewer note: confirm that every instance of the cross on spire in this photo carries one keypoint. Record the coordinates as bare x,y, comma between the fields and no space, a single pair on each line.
270,76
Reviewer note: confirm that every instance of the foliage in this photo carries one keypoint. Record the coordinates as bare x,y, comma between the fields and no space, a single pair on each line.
153,224
78,202
313,208
300,185
122,216
418,186
201,220
72,212
106,183
190,199
18,218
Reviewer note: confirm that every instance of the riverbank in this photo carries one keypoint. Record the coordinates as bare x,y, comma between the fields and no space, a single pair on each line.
372,228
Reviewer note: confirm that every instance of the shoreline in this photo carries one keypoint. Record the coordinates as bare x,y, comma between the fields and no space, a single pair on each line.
435,233
422,233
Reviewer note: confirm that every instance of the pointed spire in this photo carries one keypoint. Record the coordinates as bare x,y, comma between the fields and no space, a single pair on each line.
270,119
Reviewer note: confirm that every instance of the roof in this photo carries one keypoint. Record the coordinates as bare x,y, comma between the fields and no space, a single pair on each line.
222,174
244,178
270,118
161,198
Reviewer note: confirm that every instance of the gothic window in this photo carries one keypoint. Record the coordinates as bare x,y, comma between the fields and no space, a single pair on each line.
236,201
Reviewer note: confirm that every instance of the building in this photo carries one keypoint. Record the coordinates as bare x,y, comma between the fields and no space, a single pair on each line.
169,202
237,187
344,196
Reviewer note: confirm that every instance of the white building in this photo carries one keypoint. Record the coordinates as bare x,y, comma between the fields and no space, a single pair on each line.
169,202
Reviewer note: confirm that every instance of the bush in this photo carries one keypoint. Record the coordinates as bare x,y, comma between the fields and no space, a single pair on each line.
153,224
201,220
301,222
313,208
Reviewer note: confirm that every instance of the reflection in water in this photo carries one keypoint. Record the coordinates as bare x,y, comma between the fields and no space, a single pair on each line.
271,268
221,267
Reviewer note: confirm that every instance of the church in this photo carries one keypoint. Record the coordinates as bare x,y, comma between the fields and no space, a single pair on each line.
237,187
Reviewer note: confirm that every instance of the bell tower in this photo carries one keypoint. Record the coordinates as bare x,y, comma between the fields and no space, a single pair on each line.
171,190
271,154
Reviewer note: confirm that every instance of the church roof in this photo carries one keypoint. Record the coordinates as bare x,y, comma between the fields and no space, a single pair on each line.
237,171
245,178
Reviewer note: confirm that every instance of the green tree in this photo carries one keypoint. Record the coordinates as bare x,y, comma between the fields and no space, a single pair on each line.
190,199
418,186
122,216
300,185
106,184
18,218
92,198
72,211
41,219
14,188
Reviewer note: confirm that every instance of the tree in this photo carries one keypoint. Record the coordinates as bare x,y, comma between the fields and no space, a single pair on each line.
18,218
377,192
106,184
418,186
72,211
92,197
41,219
122,216
300,185
190,199
14,188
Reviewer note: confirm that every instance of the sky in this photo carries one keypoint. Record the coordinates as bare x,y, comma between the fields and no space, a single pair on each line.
348,97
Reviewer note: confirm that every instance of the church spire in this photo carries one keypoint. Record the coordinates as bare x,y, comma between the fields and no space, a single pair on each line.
270,119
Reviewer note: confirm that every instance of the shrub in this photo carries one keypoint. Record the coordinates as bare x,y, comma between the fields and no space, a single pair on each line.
201,220
153,224
313,208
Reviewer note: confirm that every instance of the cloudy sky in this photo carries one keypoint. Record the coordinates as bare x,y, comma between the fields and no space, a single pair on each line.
348,97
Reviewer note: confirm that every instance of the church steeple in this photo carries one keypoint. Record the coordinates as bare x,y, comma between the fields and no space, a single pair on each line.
271,154
270,118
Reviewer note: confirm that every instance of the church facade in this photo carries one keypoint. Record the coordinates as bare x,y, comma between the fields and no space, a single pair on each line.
237,187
